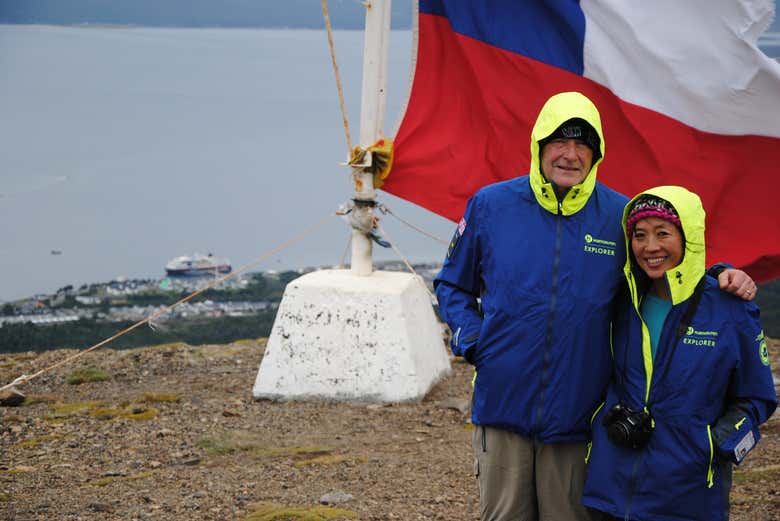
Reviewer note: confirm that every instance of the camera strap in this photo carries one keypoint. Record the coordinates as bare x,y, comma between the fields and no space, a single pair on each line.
685,322
687,318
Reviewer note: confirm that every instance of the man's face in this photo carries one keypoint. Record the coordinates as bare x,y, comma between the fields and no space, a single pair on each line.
566,162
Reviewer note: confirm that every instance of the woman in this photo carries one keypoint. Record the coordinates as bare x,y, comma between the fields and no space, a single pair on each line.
691,380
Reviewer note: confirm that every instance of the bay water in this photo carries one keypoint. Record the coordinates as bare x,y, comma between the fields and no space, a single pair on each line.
123,147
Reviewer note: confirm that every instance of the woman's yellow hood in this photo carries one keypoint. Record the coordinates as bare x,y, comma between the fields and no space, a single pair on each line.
683,278
559,109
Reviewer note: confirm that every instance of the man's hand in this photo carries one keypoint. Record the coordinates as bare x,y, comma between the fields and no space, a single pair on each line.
738,283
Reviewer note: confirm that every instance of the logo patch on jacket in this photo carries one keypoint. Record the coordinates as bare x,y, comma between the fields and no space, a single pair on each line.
599,246
700,338
455,238
763,352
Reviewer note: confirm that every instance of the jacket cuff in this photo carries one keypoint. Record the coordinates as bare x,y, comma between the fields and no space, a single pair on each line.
739,443
469,353
469,348
716,269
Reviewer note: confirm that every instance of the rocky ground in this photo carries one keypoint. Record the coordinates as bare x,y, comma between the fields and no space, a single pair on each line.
174,433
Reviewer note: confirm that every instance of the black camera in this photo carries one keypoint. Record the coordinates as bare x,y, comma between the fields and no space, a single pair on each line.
628,428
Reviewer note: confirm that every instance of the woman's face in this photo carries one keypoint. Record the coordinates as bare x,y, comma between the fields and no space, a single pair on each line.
657,245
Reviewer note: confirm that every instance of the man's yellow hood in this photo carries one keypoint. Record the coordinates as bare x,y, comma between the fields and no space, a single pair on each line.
682,279
559,109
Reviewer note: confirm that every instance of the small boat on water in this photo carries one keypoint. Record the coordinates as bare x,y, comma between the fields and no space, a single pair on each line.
197,264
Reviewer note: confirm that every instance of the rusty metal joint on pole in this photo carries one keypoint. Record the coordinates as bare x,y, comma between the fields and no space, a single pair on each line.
364,203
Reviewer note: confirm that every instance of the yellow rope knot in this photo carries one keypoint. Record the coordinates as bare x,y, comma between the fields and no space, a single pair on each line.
381,159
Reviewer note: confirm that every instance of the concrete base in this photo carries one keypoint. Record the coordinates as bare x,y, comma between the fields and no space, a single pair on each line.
339,336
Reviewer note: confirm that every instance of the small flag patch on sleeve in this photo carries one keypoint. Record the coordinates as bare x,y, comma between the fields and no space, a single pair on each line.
456,237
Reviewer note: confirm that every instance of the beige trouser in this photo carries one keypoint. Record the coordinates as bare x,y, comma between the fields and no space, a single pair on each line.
520,480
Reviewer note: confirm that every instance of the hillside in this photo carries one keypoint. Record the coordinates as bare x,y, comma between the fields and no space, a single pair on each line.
245,308
173,433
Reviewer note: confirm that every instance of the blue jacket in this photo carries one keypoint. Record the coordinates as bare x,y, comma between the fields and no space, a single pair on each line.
527,289
689,388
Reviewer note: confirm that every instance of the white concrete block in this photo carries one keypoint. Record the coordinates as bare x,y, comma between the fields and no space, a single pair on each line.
339,336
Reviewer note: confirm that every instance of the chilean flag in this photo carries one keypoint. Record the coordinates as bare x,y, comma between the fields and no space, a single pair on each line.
685,96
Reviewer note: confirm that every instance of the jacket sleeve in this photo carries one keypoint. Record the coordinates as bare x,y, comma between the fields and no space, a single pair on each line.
751,399
458,285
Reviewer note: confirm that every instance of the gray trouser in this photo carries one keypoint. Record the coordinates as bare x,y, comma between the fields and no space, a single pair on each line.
520,480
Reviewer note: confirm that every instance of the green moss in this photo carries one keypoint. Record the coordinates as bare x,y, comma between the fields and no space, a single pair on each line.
228,442
239,441
98,409
104,413
34,399
250,341
140,414
50,418
67,409
329,459
33,442
5,497
271,512
158,398
86,375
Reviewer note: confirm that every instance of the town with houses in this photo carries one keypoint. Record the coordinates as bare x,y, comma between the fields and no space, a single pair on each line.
126,299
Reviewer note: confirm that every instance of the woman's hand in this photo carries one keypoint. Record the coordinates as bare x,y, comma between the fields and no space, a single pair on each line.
738,283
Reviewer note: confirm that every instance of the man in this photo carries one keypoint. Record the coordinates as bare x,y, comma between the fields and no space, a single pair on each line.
527,289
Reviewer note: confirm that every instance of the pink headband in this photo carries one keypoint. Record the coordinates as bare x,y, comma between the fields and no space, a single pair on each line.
650,206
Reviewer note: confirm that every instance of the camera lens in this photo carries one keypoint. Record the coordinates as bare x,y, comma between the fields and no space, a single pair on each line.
619,433
628,428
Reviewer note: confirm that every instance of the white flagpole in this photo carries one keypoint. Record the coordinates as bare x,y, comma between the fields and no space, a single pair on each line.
372,119
337,331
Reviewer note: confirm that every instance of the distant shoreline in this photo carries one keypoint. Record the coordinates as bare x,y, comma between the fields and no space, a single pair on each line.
293,14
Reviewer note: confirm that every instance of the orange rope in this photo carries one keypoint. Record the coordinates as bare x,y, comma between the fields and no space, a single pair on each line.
336,73
385,209
405,261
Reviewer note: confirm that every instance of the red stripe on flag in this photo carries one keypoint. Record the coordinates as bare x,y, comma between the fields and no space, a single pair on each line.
469,122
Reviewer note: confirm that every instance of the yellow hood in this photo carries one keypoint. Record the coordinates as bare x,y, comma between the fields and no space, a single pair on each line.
682,279
559,109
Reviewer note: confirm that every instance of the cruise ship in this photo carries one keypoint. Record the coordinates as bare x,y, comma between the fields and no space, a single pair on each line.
197,264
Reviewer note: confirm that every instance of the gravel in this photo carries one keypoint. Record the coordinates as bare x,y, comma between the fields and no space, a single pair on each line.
175,434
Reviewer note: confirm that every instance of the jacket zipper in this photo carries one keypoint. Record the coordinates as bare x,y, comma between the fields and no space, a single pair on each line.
553,301
632,479
632,487
710,470
590,442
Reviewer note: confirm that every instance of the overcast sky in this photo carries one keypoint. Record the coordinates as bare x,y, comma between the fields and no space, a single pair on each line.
199,13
